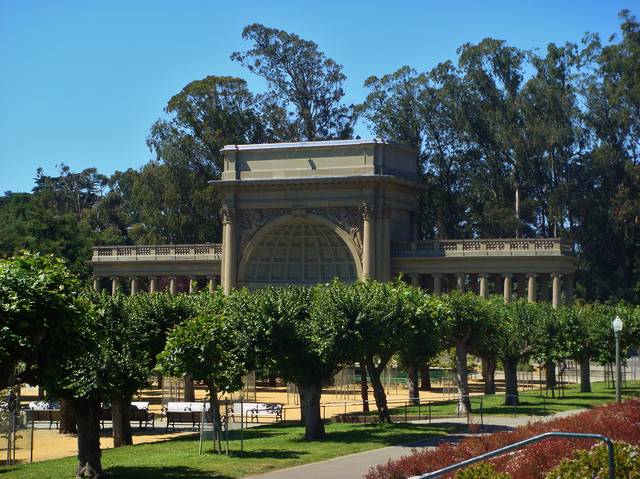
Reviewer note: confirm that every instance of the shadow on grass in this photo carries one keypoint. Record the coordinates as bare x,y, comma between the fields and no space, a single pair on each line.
265,454
164,472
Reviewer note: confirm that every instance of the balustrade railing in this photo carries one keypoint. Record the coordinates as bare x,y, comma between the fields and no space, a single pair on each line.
484,247
160,252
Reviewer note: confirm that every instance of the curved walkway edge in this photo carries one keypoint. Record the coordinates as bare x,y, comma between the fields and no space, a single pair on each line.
354,466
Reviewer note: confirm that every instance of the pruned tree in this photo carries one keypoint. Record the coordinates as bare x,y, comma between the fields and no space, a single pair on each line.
206,348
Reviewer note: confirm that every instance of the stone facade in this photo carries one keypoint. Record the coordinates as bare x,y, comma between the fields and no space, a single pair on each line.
305,212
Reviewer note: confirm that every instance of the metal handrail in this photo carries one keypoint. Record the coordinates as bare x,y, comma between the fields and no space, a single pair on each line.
517,445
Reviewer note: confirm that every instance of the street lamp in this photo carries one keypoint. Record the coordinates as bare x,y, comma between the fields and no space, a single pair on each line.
617,324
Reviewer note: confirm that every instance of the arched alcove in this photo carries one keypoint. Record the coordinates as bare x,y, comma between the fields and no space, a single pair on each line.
297,251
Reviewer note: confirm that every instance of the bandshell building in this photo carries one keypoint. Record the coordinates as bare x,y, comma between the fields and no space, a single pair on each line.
304,213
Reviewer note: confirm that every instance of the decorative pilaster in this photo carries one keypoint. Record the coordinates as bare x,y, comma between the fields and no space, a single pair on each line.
484,285
229,249
368,247
97,285
211,283
115,285
135,285
437,284
531,288
385,274
508,286
556,299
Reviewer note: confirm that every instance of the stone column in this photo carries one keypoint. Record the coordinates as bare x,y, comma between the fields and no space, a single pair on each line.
415,280
135,285
437,284
460,284
173,284
520,286
229,249
556,300
97,285
484,285
368,248
568,289
508,286
153,284
211,283
115,285
385,274
531,288
192,285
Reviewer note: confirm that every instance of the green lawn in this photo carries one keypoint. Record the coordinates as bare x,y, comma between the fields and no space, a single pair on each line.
531,402
265,448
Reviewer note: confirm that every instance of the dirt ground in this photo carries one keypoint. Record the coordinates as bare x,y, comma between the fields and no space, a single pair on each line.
49,444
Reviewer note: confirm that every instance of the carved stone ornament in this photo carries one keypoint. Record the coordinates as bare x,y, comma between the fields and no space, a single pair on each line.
227,213
348,218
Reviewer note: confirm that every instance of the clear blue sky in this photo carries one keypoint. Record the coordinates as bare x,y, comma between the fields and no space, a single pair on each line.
81,82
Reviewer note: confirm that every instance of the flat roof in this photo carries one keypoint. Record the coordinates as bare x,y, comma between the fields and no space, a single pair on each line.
315,144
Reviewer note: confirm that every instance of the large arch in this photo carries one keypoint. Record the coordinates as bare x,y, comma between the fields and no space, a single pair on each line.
298,249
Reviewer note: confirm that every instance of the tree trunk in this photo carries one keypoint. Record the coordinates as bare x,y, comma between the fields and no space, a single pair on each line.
214,404
40,393
67,417
89,453
585,374
364,387
189,389
425,378
121,421
272,380
378,390
159,378
313,425
414,390
489,374
302,403
462,377
550,376
511,382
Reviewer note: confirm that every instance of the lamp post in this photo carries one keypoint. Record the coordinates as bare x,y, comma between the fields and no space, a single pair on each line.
616,324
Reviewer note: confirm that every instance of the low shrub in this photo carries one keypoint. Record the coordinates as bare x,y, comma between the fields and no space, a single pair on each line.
481,471
620,422
595,463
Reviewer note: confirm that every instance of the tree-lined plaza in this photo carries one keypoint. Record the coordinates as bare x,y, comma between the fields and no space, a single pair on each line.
492,227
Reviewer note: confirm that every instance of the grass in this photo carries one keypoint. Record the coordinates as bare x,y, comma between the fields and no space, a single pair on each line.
265,448
532,403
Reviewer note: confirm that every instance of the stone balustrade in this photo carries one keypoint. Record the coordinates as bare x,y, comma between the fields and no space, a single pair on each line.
483,247
157,252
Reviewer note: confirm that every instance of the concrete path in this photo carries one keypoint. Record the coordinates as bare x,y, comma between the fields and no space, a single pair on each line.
354,466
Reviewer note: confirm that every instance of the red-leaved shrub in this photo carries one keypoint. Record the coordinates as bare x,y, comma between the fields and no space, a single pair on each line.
620,422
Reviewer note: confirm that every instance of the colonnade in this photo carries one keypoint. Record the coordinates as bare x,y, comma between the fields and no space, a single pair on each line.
533,286
153,283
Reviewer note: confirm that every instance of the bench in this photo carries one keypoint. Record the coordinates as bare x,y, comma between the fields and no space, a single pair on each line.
253,411
140,413
45,411
184,413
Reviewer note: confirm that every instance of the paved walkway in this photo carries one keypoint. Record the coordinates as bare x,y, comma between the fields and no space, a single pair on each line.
354,466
